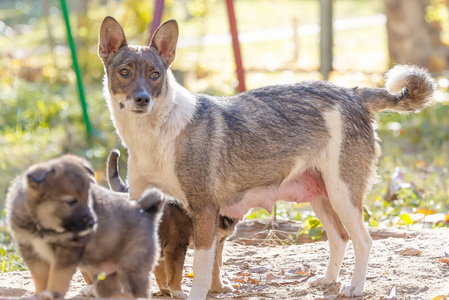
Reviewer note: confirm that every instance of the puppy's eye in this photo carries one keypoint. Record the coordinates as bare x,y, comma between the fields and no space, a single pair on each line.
72,202
124,72
155,75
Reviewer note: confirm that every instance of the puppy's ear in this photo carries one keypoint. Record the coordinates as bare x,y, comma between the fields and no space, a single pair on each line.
90,171
39,176
110,39
151,201
165,39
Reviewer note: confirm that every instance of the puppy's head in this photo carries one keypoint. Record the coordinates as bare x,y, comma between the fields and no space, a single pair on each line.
136,76
58,195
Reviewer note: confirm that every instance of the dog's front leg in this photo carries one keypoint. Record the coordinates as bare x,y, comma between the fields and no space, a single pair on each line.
39,268
217,284
61,271
205,226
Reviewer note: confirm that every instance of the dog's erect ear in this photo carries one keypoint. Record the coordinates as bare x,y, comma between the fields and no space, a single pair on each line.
165,39
40,175
111,38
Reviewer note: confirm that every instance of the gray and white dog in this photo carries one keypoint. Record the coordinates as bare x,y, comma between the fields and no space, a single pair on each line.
307,142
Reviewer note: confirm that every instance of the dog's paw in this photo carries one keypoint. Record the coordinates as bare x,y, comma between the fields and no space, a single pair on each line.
48,295
197,294
224,288
179,294
163,292
351,290
88,291
320,280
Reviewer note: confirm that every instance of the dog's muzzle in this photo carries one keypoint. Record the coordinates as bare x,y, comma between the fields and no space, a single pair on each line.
143,102
84,223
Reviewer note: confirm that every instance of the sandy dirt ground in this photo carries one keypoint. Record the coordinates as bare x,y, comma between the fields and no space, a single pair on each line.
281,272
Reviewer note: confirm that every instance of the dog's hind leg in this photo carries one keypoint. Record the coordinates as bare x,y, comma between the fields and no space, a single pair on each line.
352,218
338,239
109,287
205,226
135,281
174,262
161,277
346,173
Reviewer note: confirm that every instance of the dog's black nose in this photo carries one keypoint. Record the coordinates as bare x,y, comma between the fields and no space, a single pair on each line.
142,99
80,224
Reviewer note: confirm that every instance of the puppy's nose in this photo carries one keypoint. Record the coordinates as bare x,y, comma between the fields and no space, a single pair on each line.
142,99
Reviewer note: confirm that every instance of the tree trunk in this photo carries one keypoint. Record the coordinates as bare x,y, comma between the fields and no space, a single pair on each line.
411,39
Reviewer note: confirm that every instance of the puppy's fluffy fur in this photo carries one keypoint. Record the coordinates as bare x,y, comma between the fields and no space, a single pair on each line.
51,210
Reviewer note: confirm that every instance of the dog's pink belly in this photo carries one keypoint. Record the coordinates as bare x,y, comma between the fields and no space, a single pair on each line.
304,188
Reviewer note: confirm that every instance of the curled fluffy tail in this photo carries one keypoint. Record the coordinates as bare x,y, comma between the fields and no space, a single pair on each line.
408,88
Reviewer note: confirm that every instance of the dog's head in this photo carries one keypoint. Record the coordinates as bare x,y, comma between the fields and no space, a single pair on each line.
59,195
137,75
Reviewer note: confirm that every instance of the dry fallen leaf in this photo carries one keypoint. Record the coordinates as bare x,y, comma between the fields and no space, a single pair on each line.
440,297
409,251
190,275
252,281
239,280
301,272
285,282
270,276
445,260
281,273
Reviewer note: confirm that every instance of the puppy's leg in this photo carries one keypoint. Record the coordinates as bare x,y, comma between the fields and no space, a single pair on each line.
86,278
39,269
61,272
338,240
161,276
174,262
109,287
135,280
217,284
205,226
59,279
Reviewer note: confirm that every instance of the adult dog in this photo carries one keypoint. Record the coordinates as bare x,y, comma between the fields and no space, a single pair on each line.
311,141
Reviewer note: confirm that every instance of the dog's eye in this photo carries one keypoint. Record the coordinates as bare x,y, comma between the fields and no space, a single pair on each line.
154,75
72,202
124,72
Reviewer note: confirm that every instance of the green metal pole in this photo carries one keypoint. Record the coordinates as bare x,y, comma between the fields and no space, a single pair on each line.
77,70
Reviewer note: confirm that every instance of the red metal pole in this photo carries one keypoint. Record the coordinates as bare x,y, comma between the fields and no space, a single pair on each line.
157,17
236,46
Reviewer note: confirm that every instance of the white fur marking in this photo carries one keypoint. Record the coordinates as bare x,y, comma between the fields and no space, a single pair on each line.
341,201
42,249
151,138
396,78
203,263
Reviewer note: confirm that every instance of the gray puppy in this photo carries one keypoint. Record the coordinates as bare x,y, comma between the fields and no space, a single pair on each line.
307,142
62,220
